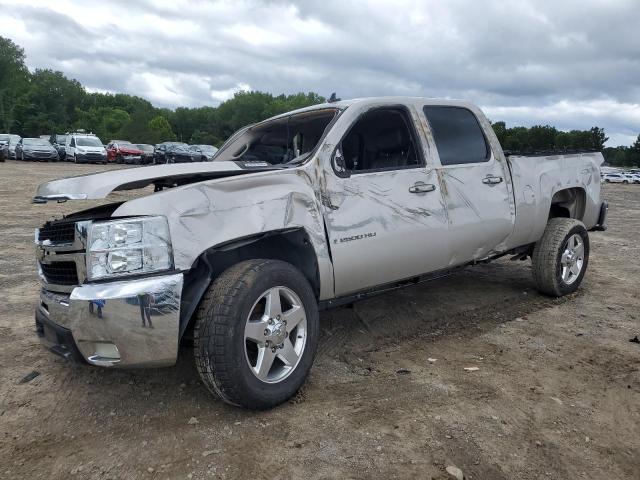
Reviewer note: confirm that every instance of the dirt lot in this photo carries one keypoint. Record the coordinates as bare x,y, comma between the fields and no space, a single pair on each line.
557,393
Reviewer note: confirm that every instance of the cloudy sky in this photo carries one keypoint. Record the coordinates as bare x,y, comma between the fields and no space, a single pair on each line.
569,63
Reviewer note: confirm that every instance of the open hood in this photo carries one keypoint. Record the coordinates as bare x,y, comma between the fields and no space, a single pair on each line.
99,185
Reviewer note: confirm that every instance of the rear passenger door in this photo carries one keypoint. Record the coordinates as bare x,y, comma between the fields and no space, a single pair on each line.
474,183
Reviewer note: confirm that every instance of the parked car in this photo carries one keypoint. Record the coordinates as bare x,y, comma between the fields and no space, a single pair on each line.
4,146
614,178
37,149
633,177
147,152
308,210
205,152
181,154
85,148
122,151
59,143
11,145
159,154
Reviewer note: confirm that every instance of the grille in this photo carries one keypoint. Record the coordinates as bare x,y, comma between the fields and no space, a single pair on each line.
58,232
60,273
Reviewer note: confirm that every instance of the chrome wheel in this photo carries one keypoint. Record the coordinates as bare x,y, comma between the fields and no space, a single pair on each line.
572,259
275,334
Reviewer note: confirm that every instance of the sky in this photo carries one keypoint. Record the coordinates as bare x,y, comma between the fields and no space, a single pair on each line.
571,64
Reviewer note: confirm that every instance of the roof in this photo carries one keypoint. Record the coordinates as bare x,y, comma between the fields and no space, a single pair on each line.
342,104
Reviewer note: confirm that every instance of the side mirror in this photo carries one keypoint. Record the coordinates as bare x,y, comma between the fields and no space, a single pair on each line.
338,163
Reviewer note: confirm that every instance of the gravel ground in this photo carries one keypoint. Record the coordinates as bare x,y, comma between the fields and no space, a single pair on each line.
556,393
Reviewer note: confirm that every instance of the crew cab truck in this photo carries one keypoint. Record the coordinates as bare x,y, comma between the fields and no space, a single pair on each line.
308,210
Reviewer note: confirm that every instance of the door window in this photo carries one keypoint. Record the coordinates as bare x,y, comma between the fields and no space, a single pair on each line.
382,139
458,136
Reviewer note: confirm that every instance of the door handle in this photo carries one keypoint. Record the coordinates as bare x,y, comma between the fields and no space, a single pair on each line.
491,180
421,187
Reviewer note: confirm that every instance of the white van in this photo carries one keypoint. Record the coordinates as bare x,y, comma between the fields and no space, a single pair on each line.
85,148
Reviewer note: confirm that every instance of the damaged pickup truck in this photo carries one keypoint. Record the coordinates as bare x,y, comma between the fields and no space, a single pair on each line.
307,210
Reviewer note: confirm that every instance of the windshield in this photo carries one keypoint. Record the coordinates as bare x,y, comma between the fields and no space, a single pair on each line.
281,140
144,148
61,139
204,148
32,142
177,148
4,138
88,142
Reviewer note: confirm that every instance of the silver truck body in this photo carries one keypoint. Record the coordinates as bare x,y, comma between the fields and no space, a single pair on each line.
362,232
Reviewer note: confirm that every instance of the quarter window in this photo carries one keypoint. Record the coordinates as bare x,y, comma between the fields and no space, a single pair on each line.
458,136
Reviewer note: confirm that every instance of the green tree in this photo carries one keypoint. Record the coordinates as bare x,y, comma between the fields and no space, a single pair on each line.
633,156
14,81
105,122
160,130
49,105
598,138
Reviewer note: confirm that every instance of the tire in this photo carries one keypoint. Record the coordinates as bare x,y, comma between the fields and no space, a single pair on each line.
119,159
625,182
561,256
225,356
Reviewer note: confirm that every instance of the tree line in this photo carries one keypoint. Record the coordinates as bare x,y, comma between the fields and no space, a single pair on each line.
47,102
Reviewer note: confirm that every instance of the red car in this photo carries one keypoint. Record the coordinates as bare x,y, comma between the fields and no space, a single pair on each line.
122,151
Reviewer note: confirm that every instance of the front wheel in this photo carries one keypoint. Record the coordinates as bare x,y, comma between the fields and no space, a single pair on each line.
561,256
256,333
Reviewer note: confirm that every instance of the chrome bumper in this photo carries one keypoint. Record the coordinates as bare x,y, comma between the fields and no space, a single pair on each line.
132,323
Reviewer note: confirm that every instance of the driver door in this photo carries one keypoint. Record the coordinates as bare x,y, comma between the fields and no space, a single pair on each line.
384,211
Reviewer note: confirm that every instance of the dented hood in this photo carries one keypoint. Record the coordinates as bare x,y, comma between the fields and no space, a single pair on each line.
99,185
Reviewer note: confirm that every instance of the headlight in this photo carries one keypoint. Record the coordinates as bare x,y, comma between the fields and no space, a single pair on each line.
128,247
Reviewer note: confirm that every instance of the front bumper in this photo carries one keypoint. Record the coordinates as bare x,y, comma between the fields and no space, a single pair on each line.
29,155
91,158
133,323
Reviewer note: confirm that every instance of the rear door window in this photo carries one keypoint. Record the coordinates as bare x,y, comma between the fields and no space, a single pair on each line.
458,135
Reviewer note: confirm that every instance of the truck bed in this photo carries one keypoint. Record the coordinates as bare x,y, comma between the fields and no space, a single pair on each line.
536,178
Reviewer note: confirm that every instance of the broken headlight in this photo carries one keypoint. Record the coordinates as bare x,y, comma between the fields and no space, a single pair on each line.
128,247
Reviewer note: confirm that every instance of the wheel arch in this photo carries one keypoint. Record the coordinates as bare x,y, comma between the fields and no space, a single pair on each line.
568,203
292,245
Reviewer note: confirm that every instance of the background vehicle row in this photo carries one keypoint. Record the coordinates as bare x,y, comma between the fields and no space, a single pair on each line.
82,147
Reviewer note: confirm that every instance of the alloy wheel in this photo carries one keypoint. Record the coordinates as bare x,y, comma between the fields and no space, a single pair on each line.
275,334
572,259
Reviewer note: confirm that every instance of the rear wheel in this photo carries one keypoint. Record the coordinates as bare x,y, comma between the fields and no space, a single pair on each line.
625,182
256,333
561,257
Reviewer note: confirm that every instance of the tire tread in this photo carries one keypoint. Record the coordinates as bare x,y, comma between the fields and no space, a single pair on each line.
215,321
546,251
